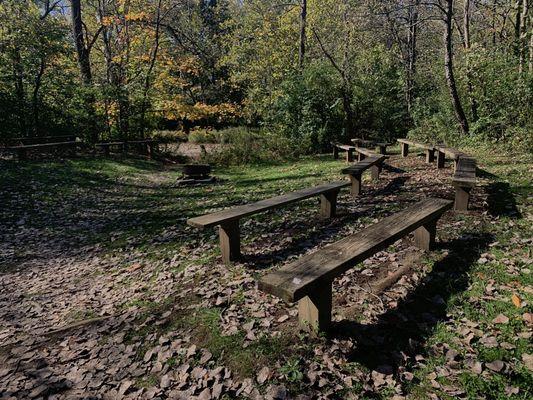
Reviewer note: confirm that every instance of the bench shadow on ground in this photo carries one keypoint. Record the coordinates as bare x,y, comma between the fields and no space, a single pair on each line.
264,259
402,332
501,200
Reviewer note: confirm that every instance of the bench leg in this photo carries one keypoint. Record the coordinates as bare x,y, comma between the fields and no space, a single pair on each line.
335,153
328,204
374,172
149,151
22,154
430,156
462,197
314,311
230,241
349,156
356,185
382,150
440,159
405,149
425,236
106,151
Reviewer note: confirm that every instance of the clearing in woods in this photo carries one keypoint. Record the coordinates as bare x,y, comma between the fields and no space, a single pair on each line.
106,290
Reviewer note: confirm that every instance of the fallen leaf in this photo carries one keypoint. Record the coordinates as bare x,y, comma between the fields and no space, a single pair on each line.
500,319
516,300
495,366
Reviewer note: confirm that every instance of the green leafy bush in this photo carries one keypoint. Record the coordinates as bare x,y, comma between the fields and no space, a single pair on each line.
246,146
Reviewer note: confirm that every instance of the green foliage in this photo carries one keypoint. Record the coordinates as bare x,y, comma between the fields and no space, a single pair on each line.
245,146
308,109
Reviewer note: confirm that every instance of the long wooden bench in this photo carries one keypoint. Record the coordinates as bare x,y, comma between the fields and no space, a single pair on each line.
228,220
309,279
464,179
22,151
343,147
429,149
363,142
108,145
443,151
355,171
26,141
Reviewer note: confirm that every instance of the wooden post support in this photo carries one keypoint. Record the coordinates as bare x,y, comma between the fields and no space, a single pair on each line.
356,185
441,157
106,150
230,241
314,311
335,152
425,236
462,198
430,155
123,148
149,150
405,149
328,204
360,156
349,155
374,172
22,154
382,149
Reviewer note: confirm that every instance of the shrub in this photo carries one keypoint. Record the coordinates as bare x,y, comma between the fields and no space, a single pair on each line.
246,146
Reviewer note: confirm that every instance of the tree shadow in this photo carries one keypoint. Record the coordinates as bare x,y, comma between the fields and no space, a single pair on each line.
307,237
501,201
401,333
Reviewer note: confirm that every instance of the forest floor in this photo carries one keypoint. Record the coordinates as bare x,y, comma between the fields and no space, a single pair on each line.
105,292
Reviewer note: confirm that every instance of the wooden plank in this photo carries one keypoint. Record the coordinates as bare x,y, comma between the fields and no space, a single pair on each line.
109,144
451,152
415,144
41,145
238,212
363,165
302,277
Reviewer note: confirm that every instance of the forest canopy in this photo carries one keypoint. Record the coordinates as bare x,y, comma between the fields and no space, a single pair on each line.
310,70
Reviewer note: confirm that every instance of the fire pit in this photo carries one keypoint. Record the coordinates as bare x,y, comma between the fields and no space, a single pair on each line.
196,173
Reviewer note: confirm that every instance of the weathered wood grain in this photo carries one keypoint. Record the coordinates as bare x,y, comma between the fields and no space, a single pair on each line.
238,212
302,277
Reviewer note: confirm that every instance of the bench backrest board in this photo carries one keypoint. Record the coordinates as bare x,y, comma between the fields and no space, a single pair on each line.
238,212
300,278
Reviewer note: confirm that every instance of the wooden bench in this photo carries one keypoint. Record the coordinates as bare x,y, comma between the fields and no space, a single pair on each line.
309,279
348,149
464,179
25,141
147,146
443,151
363,142
228,220
381,147
107,146
355,171
22,151
430,149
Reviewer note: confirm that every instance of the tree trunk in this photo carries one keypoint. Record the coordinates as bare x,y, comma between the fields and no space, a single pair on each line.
79,40
524,33
448,69
411,52
35,96
18,76
303,25
466,30
85,66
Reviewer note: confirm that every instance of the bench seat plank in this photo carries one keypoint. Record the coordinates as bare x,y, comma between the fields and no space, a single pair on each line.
361,166
238,212
300,278
40,145
416,144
